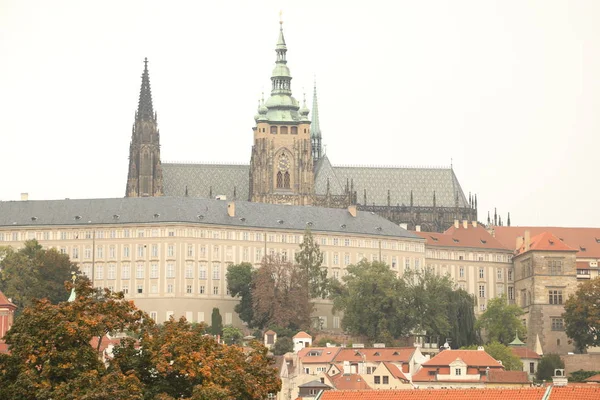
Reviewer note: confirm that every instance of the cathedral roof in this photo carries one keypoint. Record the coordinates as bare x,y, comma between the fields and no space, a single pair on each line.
152,210
224,179
401,181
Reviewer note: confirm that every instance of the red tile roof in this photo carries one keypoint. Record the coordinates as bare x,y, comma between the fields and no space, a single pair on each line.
585,240
4,302
473,358
593,378
394,354
545,241
524,352
501,376
439,394
324,354
583,265
575,393
348,382
302,335
395,371
476,237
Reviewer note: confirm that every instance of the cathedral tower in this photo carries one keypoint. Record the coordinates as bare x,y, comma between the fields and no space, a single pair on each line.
145,170
315,134
281,165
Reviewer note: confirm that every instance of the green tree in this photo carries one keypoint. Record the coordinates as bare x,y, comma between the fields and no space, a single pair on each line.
501,321
582,315
503,353
216,327
239,283
373,302
179,361
34,273
232,335
581,375
461,315
310,260
280,295
283,345
546,366
50,352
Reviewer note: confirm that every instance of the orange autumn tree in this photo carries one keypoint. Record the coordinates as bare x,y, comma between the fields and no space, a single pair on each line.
179,360
50,352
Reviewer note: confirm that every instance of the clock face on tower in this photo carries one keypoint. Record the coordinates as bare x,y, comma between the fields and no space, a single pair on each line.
284,163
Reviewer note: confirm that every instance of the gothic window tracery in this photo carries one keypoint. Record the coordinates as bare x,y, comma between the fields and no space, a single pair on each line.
286,180
279,180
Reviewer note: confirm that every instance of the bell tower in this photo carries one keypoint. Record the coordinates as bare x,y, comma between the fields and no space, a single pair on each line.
281,165
145,170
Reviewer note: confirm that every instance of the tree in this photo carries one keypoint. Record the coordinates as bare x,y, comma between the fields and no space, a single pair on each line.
310,260
50,352
179,361
283,345
501,321
280,295
372,302
232,335
581,375
239,283
582,315
34,273
216,327
461,315
503,353
548,363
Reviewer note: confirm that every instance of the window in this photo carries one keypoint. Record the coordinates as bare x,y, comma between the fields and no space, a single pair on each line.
125,271
140,233
407,263
170,250
532,368
511,293
170,270
126,251
482,291
386,380
202,271
216,272
481,273
190,250
87,253
75,252
457,371
558,324
155,250
189,270
499,274
139,272
510,274
140,289
154,270
201,289
171,233
555,267
99,272
215,290
336,259
461,272
555,296
188,289
377,379
170,288
125,289
112,252
110,273
153,315
141,248
346,259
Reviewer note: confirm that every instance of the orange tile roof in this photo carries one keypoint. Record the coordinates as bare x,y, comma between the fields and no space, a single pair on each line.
475,237
593,378
524,352
325,354
501,376
575,393
348,382
437,394
395,371
585,240
545,241
394,354
473,358
5,302
302,335
582,265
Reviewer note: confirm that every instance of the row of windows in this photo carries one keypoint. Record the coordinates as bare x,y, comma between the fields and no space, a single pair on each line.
209,234
189,316
451,255
555,297
125,271
169,288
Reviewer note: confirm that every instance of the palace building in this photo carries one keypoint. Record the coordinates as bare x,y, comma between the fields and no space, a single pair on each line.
289,166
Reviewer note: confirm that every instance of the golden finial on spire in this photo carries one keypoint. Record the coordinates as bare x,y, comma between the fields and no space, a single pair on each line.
280,17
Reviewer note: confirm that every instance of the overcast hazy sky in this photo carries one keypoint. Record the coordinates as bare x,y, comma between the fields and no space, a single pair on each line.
509,90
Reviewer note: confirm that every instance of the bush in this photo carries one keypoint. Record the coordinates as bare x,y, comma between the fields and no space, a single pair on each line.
547,365
282,346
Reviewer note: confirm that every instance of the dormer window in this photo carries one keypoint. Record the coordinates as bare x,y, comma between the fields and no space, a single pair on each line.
457,371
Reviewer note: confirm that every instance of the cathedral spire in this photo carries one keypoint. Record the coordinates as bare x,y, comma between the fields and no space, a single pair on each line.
315,128
145,110
281,78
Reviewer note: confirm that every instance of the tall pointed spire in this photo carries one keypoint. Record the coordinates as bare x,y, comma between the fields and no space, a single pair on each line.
315,128
145,110
281,78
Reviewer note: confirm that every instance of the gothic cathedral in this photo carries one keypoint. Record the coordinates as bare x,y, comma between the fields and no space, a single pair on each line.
145,170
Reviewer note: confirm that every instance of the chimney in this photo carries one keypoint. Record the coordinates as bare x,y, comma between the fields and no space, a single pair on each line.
418,228
474,224
231,209
527,240
456,223
559,378
519,242
24,196
465,223
352,210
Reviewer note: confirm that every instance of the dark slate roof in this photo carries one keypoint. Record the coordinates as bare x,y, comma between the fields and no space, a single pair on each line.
194,210
199,178
400,181
323,172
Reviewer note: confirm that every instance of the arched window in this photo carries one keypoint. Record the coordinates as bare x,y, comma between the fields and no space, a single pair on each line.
274,130
286,180
294,130
280,179
283,130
